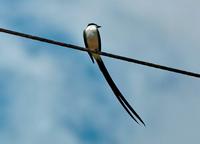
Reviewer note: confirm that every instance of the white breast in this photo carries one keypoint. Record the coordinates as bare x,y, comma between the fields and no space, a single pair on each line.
92,37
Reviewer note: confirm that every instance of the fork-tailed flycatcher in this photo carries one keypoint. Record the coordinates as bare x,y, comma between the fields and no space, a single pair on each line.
93,42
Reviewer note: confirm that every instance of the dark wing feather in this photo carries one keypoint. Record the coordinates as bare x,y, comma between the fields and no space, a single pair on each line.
99,40
117,93
86,45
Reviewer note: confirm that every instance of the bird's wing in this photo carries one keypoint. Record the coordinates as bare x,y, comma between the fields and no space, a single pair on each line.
86,45
99,40
116,91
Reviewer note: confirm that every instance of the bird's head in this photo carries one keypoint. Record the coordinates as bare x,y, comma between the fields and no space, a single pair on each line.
93,24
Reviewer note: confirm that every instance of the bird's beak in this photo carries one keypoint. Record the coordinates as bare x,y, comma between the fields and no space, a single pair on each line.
98,26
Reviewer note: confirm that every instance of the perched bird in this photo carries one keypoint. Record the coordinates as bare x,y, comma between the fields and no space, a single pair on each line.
93,42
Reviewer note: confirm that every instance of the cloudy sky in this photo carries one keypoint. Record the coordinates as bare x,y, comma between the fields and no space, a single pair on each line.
50,94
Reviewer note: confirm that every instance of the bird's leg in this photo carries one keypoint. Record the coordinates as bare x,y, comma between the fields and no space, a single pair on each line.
96,50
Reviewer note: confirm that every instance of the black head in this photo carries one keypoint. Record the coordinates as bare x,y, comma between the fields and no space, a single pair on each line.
94,25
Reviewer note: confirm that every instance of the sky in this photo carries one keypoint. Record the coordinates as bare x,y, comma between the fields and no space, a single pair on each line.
50,94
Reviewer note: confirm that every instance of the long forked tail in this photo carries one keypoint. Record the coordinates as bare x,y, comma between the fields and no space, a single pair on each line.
117,93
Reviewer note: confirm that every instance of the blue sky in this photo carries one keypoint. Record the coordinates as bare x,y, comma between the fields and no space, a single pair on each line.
53,95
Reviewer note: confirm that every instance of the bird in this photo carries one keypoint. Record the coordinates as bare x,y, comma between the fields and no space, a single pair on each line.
92,42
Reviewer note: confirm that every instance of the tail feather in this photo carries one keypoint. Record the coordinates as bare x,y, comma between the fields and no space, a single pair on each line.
91,57
117,93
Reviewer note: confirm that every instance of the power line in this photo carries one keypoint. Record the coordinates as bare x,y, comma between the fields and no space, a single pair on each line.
36,38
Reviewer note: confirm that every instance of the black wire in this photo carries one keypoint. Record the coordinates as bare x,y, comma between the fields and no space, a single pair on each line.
188,73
